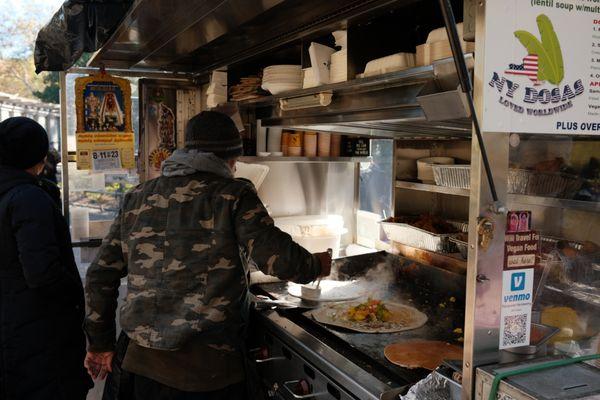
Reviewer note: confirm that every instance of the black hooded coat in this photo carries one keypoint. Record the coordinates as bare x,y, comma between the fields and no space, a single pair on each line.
42,344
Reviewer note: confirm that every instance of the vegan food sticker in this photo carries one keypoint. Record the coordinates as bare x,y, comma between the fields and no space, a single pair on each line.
542,67
105,138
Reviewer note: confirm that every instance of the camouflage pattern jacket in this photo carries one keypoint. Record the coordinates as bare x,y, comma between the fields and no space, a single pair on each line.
178,240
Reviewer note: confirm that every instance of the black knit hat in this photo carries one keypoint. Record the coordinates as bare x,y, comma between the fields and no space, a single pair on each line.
23,143
214,132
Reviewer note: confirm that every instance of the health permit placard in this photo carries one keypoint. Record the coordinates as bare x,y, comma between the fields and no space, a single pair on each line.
542,66
105,138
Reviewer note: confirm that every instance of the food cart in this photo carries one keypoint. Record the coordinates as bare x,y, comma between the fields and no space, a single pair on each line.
493,234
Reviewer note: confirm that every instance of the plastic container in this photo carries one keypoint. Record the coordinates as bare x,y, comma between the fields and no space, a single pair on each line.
274,140
324,144
336,145
261,137
310,144
316,233
295,144
285,141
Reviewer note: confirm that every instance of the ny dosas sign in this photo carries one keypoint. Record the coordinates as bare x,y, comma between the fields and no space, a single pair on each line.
542,67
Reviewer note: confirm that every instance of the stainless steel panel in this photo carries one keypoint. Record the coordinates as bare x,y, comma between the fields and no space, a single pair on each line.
204,35
292,189
484,271
353,379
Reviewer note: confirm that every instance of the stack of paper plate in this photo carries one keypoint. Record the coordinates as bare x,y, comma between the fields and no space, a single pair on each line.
281,78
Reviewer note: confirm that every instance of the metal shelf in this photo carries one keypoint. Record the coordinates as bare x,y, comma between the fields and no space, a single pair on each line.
423,187
555,202
306,159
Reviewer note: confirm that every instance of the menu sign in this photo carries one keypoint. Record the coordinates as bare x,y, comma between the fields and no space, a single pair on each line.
542,66
521,244
520,255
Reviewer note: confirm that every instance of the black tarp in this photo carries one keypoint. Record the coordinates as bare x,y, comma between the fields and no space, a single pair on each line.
78,26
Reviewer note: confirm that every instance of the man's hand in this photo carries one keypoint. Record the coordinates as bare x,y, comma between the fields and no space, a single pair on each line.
325,259
99,365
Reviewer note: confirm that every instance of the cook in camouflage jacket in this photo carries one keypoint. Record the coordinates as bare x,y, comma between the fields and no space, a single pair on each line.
178,241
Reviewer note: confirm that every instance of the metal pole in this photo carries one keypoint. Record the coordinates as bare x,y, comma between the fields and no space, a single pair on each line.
64,146
467,88
134,73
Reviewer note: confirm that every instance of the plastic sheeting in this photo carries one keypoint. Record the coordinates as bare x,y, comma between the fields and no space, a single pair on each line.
78,26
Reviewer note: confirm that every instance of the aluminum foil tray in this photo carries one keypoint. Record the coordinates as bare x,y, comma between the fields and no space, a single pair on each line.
454,176
553,184
419,238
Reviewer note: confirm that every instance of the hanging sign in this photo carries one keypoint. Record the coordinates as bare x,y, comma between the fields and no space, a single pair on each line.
542,66
521,250
105,138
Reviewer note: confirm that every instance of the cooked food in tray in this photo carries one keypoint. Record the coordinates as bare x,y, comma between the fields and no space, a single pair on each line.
372,316
429,223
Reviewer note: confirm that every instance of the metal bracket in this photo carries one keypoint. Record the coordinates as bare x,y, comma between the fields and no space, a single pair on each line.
485,232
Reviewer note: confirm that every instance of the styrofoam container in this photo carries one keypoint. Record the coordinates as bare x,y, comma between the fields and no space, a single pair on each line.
440,34
253,172
339,66
309,78
425,169
391,63
320,60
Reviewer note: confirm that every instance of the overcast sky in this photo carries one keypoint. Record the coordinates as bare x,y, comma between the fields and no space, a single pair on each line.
13,10
40,9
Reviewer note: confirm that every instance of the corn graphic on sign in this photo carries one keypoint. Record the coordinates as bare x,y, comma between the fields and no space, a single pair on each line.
542,67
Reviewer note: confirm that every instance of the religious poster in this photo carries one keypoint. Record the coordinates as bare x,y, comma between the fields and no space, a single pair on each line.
166,107
542,66
105,138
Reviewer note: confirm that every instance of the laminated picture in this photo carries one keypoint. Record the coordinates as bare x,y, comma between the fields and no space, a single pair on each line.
104,127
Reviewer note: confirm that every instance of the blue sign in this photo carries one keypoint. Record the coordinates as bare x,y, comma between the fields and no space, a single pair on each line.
517,281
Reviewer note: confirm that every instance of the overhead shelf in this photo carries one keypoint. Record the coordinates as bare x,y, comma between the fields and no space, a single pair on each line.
416,103
554,202
306,159
423,187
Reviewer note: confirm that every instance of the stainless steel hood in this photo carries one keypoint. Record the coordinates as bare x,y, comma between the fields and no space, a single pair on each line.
419,103
199,36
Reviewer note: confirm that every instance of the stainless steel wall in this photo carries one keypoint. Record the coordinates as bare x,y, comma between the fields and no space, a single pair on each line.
292,189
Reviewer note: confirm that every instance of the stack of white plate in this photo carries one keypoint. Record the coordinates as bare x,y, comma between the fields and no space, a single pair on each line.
281,78
339,66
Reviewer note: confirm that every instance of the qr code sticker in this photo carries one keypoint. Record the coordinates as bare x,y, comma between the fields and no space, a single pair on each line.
515,330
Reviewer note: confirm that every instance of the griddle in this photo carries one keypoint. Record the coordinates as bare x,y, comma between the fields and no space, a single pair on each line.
437,293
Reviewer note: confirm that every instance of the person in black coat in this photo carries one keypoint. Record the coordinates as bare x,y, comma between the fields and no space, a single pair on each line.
42,344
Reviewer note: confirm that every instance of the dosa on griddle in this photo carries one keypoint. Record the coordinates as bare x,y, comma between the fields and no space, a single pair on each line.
427,354
403,318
